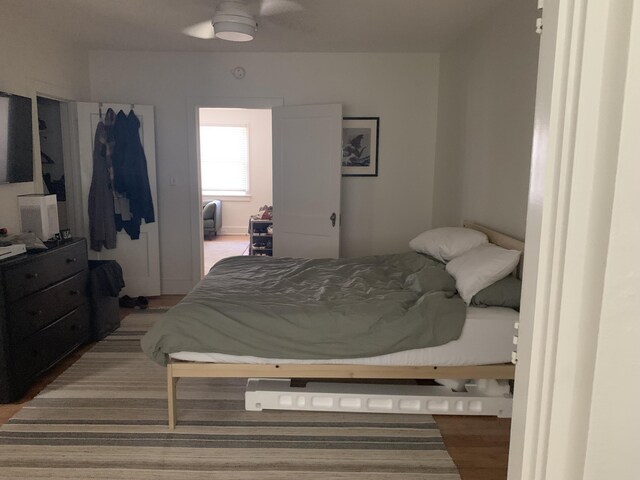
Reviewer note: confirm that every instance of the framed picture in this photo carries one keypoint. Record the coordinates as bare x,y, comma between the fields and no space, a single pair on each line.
360,146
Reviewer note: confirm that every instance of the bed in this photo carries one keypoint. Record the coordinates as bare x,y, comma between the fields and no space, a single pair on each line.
480,348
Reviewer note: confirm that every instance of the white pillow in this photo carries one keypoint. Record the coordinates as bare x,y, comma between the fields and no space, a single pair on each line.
448,242
481,267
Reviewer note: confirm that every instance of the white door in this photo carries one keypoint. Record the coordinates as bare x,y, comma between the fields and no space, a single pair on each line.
307,155
139,259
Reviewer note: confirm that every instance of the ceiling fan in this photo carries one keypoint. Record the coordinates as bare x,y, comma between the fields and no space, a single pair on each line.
235,20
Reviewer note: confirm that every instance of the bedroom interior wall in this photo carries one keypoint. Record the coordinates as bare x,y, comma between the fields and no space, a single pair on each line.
34,61
236,211
379,215
485,122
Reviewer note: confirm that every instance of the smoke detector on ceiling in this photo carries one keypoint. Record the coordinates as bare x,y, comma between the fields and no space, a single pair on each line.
238,73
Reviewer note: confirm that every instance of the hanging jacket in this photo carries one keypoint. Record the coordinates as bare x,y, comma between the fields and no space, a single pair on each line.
130,174
102,229
118,155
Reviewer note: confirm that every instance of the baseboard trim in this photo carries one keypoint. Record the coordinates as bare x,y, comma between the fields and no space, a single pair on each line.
242,230
176,286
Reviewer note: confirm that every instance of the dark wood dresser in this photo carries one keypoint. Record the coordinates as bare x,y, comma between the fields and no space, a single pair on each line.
44,313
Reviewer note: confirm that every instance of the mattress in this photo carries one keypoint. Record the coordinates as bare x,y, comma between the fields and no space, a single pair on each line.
487,338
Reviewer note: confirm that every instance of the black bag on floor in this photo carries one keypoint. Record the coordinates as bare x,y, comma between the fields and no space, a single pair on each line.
105,283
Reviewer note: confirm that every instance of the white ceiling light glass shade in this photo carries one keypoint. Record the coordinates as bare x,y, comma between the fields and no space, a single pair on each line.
234,28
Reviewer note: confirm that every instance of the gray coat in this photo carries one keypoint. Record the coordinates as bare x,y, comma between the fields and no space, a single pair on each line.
102,228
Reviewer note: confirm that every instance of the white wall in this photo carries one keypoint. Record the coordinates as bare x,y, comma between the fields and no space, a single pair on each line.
236,211
35,62
485,122
379,215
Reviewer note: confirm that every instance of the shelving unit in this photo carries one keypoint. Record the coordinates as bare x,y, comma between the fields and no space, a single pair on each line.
260,240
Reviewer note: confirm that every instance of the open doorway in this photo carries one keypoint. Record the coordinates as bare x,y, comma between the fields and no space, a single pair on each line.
52,132
234,156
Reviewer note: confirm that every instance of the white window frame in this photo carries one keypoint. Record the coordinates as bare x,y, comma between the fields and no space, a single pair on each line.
225,194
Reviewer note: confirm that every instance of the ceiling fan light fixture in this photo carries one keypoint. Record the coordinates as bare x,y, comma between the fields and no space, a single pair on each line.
234,31
235,20
234,23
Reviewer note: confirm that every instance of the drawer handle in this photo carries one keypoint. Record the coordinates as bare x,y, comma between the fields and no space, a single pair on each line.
35,313
32,275
74,292
72,260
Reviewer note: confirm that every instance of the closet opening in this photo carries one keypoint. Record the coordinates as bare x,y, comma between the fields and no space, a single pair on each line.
54,155
235,182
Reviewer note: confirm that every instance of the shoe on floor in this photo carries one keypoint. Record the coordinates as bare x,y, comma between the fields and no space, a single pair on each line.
142,302
139,302
127,302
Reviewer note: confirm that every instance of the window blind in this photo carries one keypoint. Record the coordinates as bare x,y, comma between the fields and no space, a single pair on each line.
224,159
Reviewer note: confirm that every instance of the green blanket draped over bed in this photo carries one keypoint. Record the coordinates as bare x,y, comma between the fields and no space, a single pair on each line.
313,309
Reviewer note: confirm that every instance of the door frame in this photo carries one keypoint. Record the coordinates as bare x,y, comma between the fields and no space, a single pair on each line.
577,125
194,104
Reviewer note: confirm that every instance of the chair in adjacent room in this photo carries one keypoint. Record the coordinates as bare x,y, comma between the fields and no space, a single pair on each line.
211,215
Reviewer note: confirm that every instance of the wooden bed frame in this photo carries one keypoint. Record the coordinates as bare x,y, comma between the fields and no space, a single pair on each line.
177,369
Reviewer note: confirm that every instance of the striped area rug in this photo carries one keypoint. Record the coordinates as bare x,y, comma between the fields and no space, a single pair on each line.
105,418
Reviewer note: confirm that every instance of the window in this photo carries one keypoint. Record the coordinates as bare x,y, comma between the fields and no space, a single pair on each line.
224,159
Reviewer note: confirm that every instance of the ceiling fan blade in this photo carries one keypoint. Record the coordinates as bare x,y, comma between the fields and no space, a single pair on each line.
203,30
270,8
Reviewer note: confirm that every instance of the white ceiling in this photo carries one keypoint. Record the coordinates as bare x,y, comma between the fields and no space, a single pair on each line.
321,26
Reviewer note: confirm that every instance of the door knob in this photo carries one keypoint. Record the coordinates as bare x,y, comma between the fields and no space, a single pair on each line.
333,219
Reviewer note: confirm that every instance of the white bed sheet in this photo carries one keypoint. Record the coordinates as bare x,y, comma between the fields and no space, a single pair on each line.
487,337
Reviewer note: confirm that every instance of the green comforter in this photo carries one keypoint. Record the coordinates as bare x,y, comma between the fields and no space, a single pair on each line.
313,309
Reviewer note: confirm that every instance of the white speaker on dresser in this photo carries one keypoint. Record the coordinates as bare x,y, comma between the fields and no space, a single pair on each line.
39,214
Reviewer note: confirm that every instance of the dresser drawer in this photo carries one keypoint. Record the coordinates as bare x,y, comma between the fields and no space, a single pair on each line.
30,314
42,350
45,269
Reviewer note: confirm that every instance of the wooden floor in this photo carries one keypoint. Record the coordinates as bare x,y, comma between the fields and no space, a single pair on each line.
223,246
479,446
